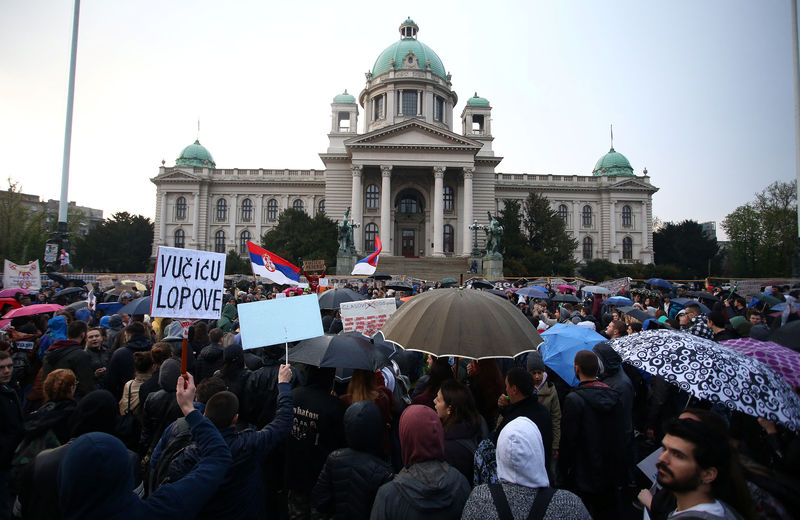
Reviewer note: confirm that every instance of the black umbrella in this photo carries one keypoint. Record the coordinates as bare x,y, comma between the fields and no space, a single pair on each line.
685,302
348,350
72,291
566,298
635,313
80,304
788,335
381,276
333,298
703,295
480,283
400,286
137,306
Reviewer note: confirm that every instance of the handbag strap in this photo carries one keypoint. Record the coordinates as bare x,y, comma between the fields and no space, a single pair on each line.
130,385
500,502
540,503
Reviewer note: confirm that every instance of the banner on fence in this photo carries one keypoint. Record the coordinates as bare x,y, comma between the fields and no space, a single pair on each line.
22,276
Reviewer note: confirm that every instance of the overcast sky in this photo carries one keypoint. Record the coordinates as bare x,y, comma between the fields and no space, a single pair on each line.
699,93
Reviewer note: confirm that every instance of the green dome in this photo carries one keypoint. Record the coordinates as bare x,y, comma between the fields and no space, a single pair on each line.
399,50
612,163
477,101
344,97
195,155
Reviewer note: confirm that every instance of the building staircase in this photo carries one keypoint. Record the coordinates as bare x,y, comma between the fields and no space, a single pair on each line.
427,268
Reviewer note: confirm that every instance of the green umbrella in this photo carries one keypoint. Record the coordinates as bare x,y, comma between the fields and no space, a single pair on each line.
449,281
766,298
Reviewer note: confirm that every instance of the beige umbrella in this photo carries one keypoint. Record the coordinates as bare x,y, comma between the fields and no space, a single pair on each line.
463,323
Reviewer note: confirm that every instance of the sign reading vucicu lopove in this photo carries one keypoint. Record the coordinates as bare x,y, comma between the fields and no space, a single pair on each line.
188,284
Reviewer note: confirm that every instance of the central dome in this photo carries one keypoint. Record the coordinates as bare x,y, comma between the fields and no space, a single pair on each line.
196,155
392,57
612,163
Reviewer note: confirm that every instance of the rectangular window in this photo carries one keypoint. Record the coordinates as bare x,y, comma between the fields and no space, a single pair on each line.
377,108
409,103
438,109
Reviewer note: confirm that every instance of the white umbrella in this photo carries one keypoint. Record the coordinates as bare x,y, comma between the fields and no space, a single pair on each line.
595,289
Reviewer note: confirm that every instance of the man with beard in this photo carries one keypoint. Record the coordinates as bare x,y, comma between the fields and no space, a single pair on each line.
695,466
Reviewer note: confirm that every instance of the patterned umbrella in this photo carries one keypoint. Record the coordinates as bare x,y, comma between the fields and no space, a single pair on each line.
782,360
711,371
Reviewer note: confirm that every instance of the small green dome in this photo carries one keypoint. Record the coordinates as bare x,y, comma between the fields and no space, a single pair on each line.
196,155
398,51
477,101
612,163
344,97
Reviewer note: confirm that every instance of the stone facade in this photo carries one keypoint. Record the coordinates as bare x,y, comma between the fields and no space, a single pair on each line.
408,177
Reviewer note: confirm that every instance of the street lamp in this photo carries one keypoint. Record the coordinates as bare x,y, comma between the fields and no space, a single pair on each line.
475,227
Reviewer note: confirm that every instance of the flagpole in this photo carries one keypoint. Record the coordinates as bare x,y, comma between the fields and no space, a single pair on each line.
63,202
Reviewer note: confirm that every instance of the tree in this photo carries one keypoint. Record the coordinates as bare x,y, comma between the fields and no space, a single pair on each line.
298,236
763,233
687,248
121,244
514,242
552,248
22,230
235,264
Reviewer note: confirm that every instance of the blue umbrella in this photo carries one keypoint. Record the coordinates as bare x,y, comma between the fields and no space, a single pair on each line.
561,343
619,301
682,303
137,306
782,306
533,292
658,282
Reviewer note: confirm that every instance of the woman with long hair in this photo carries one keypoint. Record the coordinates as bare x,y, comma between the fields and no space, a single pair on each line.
364,386
440,371
463,426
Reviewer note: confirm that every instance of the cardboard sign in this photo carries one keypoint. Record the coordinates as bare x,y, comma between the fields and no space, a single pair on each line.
367,316
273,322
648,465
22,276
188,284
313,265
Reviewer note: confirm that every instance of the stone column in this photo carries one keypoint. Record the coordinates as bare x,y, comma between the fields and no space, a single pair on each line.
233,216
438,209
259,218
466,234
613,225
162,228
356,212
196,221
386,209
643,224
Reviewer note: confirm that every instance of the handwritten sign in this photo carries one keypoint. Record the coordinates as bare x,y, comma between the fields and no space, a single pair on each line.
313,265
273,322
367,316
188,284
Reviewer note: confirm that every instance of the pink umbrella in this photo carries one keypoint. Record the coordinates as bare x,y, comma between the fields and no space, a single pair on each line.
32,310
782,360
564,288
10,293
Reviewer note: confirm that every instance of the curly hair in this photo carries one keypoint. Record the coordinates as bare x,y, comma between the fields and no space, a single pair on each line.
59,385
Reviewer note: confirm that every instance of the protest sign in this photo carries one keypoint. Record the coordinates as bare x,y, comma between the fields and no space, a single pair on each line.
648,465
273,322
313,265
367,316
22,276
188,284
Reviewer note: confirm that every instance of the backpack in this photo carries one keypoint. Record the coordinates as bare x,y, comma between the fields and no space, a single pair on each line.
179,439
485,463
25,453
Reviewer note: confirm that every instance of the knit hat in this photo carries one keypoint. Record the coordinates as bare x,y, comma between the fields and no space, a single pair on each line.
115,322
168,374
535,361
232,352
96,412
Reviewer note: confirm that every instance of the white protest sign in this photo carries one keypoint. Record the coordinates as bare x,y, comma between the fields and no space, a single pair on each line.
188,284
648,465
367,316
22,276
273,322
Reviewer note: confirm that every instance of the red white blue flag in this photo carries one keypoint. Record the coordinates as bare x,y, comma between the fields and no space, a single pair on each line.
272,267
367,265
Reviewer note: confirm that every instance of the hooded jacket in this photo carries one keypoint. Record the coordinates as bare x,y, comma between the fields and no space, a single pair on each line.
351,476
613,375
69,354
209,361
95,479
229,315
592,457
427,488
521,470
11,423
56,330
121,368
161,408
531,408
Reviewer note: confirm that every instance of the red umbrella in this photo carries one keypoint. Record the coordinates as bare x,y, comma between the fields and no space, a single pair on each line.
32,310
10,301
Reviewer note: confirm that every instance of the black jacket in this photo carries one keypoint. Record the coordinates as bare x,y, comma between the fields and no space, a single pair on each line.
160,409
69,354
209,361
591,455
536,412
616,378
460,442
120,368
10,424
53,415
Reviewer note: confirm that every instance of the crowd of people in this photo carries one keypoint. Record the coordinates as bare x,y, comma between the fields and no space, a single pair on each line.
96,421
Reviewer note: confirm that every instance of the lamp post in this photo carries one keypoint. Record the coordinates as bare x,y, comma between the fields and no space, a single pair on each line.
475,227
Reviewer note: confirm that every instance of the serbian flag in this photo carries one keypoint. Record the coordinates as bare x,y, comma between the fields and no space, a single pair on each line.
272,267
367,266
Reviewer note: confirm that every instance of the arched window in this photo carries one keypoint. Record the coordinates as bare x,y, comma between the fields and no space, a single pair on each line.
244,236
321,206
448,238
587,248
180,208
586,215
370,232
247,210
272,209
627,248
219,241
626,216
298,204
222,210
372,196
449,198
562,212
409,201
180,238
